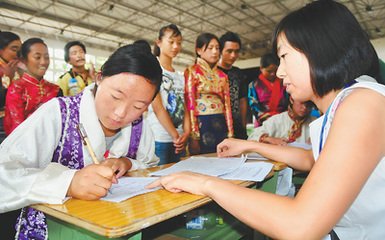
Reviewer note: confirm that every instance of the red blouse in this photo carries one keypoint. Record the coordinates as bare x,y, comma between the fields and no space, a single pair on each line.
24,96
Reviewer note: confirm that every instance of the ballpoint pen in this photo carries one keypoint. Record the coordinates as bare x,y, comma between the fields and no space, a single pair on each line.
86,142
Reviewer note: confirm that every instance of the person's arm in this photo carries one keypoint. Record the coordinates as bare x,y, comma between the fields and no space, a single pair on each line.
243,111
9,69
180,144
335,181
190,92
274,130
242,96
296,158
163,117
25,162
227,111
270,127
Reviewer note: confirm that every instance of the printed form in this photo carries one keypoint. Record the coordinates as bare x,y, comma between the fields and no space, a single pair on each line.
226,168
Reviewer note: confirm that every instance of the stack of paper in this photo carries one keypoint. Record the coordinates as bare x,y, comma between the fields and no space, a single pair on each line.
212,166
128,187
226,168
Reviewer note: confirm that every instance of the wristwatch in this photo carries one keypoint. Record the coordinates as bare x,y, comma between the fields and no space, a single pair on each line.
5,81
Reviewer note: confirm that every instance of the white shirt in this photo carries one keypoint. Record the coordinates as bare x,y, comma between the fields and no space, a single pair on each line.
279,126
172,94
365,219
27,174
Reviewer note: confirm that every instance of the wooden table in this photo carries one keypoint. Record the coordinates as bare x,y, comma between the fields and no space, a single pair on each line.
113,220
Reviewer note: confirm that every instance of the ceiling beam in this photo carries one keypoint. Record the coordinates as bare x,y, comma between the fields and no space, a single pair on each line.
56,36
116,19
56,18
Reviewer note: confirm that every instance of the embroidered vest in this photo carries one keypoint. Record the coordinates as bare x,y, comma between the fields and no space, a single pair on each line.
31,223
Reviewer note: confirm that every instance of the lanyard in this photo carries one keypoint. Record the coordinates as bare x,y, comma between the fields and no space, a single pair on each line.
323,130
326,117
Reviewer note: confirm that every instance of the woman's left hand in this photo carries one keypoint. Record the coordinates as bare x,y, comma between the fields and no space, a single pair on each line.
120,166
231,147
194,183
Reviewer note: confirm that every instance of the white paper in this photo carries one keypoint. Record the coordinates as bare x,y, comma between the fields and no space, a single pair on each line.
128,187
285,186
212,166
250,171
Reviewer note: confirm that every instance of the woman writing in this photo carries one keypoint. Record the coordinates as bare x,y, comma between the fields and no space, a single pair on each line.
321,47
44,158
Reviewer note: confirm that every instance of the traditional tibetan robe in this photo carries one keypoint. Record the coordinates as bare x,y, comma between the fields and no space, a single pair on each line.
208,101
24,96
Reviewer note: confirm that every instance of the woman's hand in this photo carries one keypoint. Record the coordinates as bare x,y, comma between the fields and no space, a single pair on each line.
10,68
194,183
232,147
120,166
91,182
180,143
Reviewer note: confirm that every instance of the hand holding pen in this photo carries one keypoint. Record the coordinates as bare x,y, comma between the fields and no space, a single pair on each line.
119,165
94,180
87,143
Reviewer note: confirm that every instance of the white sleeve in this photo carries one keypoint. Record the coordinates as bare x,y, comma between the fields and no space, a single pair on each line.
145,157
268,127
27,174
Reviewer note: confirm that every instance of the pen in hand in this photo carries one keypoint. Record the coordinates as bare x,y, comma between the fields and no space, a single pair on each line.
86,143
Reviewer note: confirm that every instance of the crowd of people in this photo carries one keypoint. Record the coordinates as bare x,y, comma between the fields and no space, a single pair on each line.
139,111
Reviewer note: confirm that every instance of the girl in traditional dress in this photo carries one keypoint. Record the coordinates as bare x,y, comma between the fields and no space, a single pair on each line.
26,94
207,97
44,160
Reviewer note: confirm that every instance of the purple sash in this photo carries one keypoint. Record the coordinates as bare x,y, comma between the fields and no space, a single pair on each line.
31,223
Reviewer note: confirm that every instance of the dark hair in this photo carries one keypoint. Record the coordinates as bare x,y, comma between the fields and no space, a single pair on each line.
6,38
203,40
175,33
69,45
229,37
268,59
144,44
26,46
330,37
135,59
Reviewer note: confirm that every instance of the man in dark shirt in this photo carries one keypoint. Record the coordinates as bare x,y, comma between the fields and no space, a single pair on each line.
230,45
